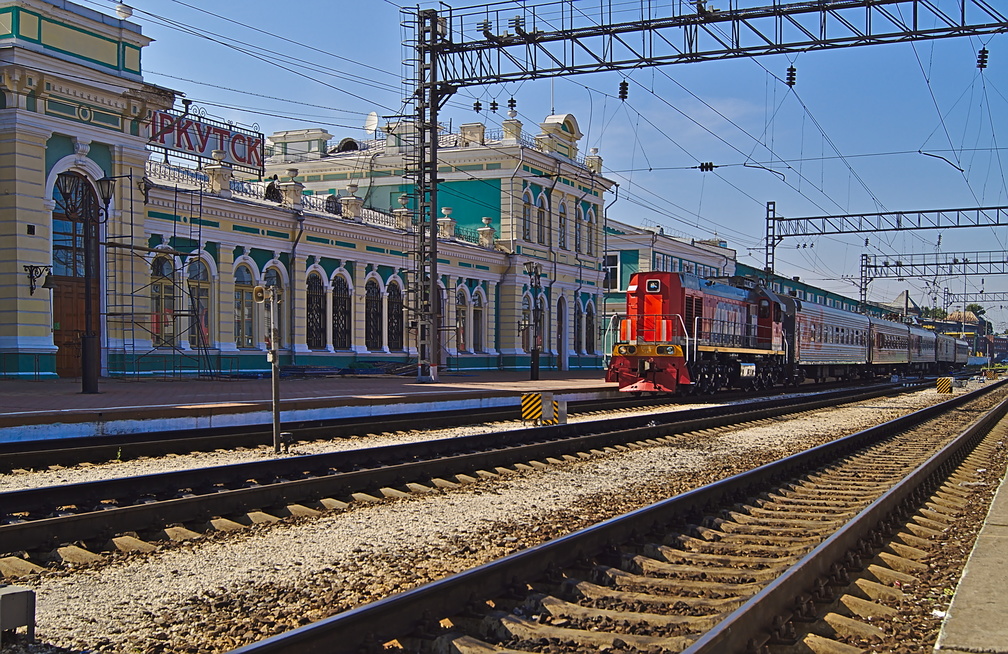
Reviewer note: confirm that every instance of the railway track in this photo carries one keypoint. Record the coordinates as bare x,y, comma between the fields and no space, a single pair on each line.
94,514
729,567
74,451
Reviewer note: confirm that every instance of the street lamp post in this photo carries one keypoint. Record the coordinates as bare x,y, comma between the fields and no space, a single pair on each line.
534,270
78,203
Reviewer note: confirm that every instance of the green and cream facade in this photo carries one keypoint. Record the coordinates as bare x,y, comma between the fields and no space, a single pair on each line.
513,199
181,251
72,100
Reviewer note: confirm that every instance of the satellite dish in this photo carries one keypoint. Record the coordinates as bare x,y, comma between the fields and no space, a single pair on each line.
371,123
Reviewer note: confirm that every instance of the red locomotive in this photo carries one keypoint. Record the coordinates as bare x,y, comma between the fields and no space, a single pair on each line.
684,333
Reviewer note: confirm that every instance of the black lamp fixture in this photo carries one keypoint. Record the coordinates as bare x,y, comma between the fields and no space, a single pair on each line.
106,187
534,270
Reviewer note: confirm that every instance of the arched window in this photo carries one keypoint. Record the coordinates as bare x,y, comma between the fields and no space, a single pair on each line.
578,219
315,333
477,324
162,302
526,324
542,215
590,329
199,303
372,315
578,324
461,306
589,233
526,218
272,278
243,305
341,314
395,317
562,227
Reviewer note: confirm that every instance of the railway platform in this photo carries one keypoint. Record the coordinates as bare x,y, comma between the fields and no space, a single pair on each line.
975,619
54,409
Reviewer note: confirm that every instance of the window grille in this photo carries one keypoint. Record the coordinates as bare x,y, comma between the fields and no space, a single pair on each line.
315,311
162,302
460,321
341,314
395,318
243,305
199,298
477,327
372,316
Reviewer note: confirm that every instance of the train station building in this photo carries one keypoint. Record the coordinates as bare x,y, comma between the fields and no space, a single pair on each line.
135,235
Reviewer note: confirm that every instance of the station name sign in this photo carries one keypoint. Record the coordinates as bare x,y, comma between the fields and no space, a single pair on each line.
197,138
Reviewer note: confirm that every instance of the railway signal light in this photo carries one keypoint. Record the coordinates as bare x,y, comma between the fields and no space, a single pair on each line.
624,88
982,58
791,73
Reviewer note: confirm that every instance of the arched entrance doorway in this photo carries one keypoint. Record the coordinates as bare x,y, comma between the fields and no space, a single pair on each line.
67,279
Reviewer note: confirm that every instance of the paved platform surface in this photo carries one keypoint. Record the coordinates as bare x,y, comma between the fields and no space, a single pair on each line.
30,410
976,618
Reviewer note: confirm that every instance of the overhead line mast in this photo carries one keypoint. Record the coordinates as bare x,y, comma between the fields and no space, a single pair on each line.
500,42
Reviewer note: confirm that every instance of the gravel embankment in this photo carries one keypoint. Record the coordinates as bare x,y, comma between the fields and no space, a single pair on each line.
227,589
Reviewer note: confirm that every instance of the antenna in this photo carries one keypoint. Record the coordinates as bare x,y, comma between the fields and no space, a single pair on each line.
371,123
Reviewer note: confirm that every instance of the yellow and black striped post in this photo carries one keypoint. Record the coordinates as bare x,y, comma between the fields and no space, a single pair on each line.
532,408
944,385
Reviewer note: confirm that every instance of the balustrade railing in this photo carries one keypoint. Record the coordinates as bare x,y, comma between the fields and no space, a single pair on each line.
466,234
325,205
170,173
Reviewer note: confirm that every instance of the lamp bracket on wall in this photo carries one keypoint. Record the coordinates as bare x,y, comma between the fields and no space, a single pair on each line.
34,273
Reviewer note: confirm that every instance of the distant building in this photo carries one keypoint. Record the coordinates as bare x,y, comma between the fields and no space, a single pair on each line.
630,249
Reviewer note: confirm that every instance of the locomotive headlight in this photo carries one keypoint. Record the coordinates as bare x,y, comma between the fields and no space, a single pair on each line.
626,349
666,349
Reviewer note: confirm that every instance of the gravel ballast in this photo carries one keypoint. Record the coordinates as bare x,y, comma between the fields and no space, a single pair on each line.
228,589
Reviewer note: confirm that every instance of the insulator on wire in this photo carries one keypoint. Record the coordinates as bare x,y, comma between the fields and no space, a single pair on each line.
982,58
512,104
624,88
791,74
493,106
477,106
706,166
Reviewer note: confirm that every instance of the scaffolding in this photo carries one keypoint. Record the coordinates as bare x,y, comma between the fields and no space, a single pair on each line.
128,315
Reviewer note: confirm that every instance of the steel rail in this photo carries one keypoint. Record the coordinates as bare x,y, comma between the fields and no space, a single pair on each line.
420,609
780,597
71,451
124,504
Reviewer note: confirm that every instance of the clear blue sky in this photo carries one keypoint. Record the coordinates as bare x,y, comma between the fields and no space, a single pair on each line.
846,138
